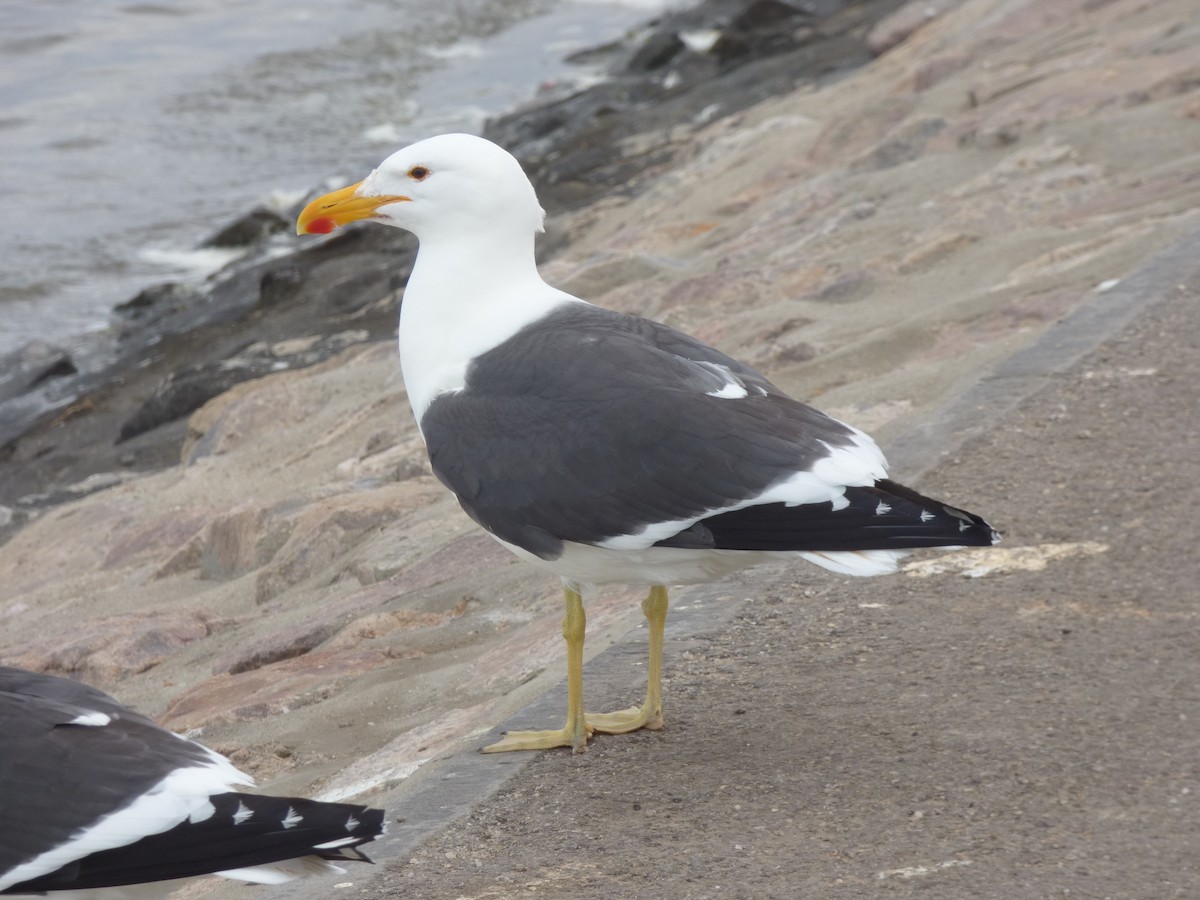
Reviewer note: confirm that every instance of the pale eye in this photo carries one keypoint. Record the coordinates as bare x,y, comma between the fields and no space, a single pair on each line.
418,173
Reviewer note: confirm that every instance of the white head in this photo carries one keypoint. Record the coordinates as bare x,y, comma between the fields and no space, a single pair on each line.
445,186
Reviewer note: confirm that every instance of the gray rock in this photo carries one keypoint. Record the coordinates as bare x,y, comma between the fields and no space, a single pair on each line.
249,230
33,365
186,390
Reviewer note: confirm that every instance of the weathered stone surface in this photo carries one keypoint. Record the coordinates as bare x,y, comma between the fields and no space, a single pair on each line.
937,249
97,481
284,645
77,540
904,22
401,757
470,554
151,537
305,632
230,546
285,398
267,691
324,532
101,651
375,625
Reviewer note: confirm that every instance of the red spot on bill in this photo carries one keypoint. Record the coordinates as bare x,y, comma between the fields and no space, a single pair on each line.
320,226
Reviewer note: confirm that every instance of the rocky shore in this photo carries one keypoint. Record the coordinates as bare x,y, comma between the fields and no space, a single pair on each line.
231,524
117,405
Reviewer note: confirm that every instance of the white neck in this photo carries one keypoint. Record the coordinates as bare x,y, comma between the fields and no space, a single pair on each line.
466,294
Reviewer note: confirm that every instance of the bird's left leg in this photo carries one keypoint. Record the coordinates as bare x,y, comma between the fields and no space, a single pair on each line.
649,714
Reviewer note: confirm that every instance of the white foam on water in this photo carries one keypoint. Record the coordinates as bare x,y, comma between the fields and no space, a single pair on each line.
191,262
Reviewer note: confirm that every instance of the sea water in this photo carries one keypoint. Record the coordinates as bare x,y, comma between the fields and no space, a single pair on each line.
130,131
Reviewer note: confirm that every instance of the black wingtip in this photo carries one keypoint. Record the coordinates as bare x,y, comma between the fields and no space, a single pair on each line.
973,530
244,831
883,516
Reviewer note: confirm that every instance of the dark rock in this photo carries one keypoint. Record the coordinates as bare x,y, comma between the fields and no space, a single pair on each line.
182,393
576,148
658,49
280,285
32,365
251,229
762,28
60,369
297,641
37,382
590,56
187,389
768,15
349,283
156,301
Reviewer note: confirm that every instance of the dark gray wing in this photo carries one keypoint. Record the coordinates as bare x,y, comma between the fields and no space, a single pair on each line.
590,424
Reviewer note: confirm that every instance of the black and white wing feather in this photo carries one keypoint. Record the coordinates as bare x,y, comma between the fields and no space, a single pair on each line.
94,795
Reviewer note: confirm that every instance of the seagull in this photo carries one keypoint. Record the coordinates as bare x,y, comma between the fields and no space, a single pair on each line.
98,802
604,447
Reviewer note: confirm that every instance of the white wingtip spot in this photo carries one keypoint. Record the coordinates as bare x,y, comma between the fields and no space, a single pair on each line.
732,389
94,719
882,509
291,820
242,814
728,392
351,823
926,515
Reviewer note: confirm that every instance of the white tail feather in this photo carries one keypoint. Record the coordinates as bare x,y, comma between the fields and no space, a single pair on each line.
856,562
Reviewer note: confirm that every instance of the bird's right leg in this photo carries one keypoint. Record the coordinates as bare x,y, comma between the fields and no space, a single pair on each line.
576,731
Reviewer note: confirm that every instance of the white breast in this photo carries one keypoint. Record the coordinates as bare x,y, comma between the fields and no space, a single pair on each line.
441,332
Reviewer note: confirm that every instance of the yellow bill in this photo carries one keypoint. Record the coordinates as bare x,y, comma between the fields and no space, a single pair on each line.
338,208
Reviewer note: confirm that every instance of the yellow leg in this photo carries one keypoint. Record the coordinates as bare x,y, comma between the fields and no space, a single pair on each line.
576,731
649,714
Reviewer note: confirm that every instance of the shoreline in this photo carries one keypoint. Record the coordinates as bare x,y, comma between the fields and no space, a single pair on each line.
74,423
